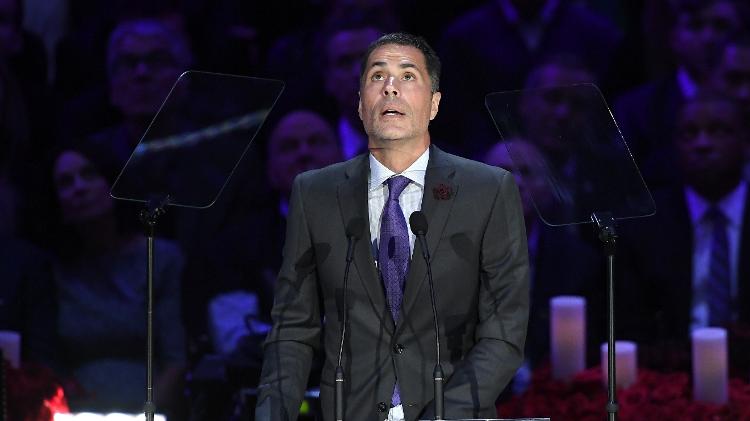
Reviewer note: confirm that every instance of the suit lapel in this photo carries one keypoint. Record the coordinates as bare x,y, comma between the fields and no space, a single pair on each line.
440,193
680,233
352,198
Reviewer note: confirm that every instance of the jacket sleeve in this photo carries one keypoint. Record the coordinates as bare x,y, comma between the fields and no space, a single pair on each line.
295,335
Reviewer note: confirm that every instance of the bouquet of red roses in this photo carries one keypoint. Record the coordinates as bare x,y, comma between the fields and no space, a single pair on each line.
654,396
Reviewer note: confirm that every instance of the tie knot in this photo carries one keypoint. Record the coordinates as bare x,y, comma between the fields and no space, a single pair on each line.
715,215
396,185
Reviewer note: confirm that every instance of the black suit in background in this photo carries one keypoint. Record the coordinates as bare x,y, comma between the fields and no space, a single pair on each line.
656,292
485,47
478,245
647,116
28,301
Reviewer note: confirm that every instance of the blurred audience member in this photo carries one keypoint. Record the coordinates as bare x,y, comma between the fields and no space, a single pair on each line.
309,47
24,55
101,283
344,51
48,20
231,39
14,126
549,114
18,164
493,48
27,294
301,141
144,59
23,50
560,263
689,265
732,76
230,277
243,256
647,114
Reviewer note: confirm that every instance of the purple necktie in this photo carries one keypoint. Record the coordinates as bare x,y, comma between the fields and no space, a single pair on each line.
394,253
719,290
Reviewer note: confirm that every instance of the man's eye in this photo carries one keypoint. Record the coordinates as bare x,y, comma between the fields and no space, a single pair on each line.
408,76
377,76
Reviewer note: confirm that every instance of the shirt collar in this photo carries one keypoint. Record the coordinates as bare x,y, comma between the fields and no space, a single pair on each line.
416,171
731,205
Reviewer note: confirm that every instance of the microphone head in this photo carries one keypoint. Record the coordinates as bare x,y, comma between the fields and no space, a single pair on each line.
418,223
354,228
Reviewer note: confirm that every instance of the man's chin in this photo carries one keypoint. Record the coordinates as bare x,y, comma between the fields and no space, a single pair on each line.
391,134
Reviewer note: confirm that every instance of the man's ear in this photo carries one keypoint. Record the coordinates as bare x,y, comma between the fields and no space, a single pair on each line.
435,104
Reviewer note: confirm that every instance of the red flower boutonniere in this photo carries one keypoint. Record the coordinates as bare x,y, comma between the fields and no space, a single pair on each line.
442,192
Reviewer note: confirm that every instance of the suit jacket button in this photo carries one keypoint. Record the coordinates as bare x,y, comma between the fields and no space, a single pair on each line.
382,407
398,349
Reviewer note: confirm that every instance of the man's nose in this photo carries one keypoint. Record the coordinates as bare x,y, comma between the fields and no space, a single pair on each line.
79,185
390,88
703,140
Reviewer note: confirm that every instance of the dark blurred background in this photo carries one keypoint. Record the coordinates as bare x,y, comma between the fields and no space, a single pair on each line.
80,81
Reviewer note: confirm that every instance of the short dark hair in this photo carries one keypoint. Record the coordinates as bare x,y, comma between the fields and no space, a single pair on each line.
694,7
562,60
409,40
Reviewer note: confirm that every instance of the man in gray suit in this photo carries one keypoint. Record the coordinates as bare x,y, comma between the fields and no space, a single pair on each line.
476,240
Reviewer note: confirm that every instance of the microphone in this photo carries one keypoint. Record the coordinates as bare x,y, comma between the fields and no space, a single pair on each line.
418,224
353,232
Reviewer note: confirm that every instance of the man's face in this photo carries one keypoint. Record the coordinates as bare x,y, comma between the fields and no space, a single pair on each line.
554,114
142,75
527,168
83,193
345,50
698,37
396,102
710,141
732,77
302,141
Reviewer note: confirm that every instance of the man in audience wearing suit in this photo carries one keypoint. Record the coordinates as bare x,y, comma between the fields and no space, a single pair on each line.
560,262
647,114
689,265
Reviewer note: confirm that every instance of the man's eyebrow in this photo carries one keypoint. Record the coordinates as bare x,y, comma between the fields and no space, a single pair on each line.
401,65
378,64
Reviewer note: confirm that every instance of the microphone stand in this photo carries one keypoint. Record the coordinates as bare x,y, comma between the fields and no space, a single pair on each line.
437,374
418,223
339,392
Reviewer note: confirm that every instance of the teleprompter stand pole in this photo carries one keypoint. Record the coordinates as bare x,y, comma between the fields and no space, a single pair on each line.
605,226
154,209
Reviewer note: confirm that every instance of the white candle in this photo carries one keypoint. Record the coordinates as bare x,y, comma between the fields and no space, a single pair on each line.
10,343
626,363
710,369
567,336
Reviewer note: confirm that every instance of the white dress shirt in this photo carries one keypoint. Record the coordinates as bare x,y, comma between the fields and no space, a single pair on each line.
410,199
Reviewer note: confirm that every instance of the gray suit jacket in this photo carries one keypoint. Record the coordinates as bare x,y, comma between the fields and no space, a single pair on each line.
477,242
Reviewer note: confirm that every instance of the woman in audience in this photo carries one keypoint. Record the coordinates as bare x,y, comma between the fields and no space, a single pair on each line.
101,281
